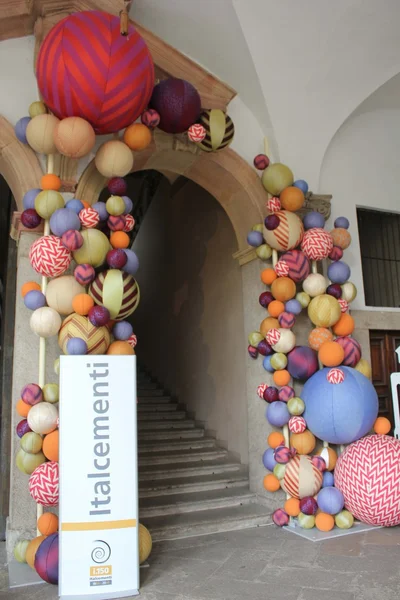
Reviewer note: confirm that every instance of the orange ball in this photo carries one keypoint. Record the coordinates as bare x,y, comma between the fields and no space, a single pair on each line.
331,354
275,308
50,182
137,136
267,324
281,377
22,408
319,336
28,287
82,303
341,237
85,204
32,549
50,445
304,442
268,276
292,198
120,348
48,523
330,457
275,439
271,483
283,289
345,325
119,239
324,522
292,507
382,426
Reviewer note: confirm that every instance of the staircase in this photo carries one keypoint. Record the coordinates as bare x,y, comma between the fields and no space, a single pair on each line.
187,484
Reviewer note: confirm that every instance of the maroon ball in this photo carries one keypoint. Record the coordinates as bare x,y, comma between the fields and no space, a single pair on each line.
30,219
264,348
271,394
336,253
150,118
265,298
308,505
178,103
116,223
261,162
99,316
72,240
117,186
253,352
23,428
116,258
272,222
334,290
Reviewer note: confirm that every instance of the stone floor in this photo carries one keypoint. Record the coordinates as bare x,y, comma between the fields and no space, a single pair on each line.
262,564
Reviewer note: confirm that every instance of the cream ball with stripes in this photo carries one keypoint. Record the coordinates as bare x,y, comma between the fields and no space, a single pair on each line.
288,233
219,130
117,291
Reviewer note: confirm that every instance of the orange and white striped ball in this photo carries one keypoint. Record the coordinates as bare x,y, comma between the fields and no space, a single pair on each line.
302,478
288,234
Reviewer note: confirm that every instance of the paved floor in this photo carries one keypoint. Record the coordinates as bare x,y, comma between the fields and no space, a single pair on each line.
262,564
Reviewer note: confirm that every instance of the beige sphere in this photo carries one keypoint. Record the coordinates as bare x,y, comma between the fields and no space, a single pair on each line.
145,543
42,418
94,248
364,368
45,322
61,292
40,133
314,285
114,159
286,343
37,108
74,137
349,291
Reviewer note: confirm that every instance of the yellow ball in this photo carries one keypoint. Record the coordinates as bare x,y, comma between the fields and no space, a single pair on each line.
94,248
276,178
303,298
45,322
114,159
324,311
20,549
31,442
145,543
27,463
37,108
97,338
47,202
364,367
61,292
51,392
40,133
115,206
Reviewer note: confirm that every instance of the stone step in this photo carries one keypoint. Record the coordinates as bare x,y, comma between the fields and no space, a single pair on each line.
178,470
190,502
156,425
161,416
182,525
144,407
166,457
199,483
175,445
173,434
149,393
149,385
143,400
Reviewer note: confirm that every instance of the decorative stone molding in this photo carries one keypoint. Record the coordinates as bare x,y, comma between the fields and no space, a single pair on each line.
316,202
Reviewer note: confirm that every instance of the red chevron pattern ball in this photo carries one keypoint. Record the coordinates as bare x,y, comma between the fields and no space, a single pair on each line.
352,350
132,340
89,217
297,425
43,484
281,268
344,305
368,475
116,223
129,223
87,69
317,243
84,274
72,240
297,263
335,376
49,257
261,389
286,320
273,336
273,204
196,133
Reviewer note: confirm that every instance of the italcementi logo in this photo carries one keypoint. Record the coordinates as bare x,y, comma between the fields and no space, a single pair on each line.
100,574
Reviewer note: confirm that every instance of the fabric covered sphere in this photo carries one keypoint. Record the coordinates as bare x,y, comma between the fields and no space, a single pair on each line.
20,549
283,289
280,517
270,394
114,159
327,479
34,299
177,102
261,162
97,74
44,484
120,348
349,291
341,413
352,350
286,340
265,298
196,133
297,425
331,354
293,306
330,500
122,330
47,202
341,237
51,445
319,462
62,220
100,208
345,325
115,206
46,559
319,336
282,455
137,137
117,186
364,368
220,130
74,137
75,205
72,240
334,290
302,478
255,238
308,505
286,393
271,482
306,521
273,204
289,232
150,118
30,219
302,362
94,248
84,274
51,392
344,520
313,220
145,543
22,428
31,442
42,418
27,462
89,217
324,311
314,285
48,523
49,257
271,222
292,198
99,316
368,475
77,326
117,291
116,258
342,222
40,133
277,414
276,178
297,263
116,223
20,129
304,443
32,394
339,272
28,200
302,185
45,322
32,549
61,292
382,426
269,461
264,348
76,346
317,244
286,320
336,253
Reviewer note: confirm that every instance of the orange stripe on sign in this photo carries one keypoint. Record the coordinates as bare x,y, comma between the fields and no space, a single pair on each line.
99,525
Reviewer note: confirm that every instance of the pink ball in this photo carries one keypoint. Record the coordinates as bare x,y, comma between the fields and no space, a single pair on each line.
49,257
129,223
280,517
352,350
336,253
317,244
32,394
116,258
117,186
286,392
44,484
282,455
297,265
308,505
99,316
196,133
132,340
23,428
84,274
116,223
150,118
286,320
297,425
319,462
72,240
89,217
261,162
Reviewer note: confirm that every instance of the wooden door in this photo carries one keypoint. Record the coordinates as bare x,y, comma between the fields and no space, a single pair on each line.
384,362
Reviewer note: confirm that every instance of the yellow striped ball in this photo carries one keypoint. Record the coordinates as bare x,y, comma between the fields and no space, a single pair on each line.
97,338
117,291
219,130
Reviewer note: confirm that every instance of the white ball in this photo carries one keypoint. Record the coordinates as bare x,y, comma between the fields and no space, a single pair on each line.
61,292
314,285
42,418
45,322
349,291
287,341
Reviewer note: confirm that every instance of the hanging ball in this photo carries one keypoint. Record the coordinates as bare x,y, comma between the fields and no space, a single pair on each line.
288,234
331,354
303,299
292,198
22,408
128,204
319,336
22,428
271,483
114,159
253,352
265,299
327,479
82,303
31,443
20,129
275,439
150,118
264,252
115,206
304,442
351,349
302,185
314,284
196,133
276,178
116,223
382,426
61,292
72,240
178,103
324,311
268,276
270,394
137,137
47,523
297,425
47,559
89,218
117,186
84,274
264,348
302,362
313,220
342,222
74,137
330,500
122,330
93,250
99,316
116,258
50,182
47,202
261,162
34,300
62,220
40,133
268,459
283,289
20,549
293,307
42,418
286,393
37,108
273,204
119,239
32,549
349,291
51,445
334,290
29,286
364,367
336,253
292,507
255,238
341,238
30,218
271,222
28,200
45,322
120,348
32,394
277,414
317,244
319,462
27,462
51,393
56,366
339,272
344,326
76,346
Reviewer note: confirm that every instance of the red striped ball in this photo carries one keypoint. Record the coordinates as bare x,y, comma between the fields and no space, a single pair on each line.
297,264
89,217
129,223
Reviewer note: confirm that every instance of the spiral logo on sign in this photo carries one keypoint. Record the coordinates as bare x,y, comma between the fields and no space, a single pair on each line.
101,553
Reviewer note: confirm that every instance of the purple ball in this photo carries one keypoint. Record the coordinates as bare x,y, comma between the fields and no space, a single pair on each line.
46,559
282,455
339,272
313,219
122,330
271,394
293,306
280,517
308,505
64,219
23,428
29,198
277,414
268,459
255,238
286,393
34,299
253,352
72,239
342,222
265,298
132,264
75,205
334,290
302,362
100,207
336,253
178,103
117,186
272,222
302,185
77,346
30,219
20,129
99,316
319,462
327,479
261,162
128,205
116,223
330,500
264,348
116,258
32,394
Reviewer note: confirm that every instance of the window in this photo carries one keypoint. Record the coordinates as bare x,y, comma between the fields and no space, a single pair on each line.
379,234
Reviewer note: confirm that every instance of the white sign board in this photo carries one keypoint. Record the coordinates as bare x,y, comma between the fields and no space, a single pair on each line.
99,548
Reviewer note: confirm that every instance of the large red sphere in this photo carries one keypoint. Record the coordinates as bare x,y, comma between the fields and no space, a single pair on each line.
87,69
178,104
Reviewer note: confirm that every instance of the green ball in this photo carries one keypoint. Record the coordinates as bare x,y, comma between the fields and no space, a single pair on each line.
296,406
255,338
56,366
344,520
51,392
115,206
276,178
37,108
31,442
306,521
20,550
259,227
27,463
279,471
264,252
94,248
303,298
47,202
279,361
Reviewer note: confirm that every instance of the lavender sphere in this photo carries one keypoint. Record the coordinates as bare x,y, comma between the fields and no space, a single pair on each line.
128,204
34,299
265,298
75,205
99,316
64,219
132,264
30,219
23,428
264,348
255,239
277,414
20,129
334,290
342,222
29,198
339,272
77,346
293,307
122,330
116,258
100,207
327,479
270,394
267,364
272,222
313,219
268,459
302,185
330,500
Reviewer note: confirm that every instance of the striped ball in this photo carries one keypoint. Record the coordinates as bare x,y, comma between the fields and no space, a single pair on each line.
286,320
317,244
302,478
89,217
117,291
288,234
76,326
84,274
298,266
116,223
72,240
49,257
132,340
286,393
219,130
129,223
44,484
32,394
352,350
